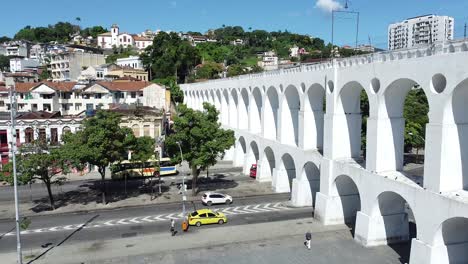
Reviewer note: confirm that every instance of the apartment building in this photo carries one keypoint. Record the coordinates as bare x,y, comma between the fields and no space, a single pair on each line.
421,30
67,66
71,98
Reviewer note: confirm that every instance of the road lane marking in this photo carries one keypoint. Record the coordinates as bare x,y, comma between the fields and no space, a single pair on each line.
237,210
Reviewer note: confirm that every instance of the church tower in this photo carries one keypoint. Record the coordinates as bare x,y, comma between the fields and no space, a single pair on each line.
115,34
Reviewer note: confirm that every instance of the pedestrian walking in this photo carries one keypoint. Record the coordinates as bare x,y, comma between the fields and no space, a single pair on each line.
173,231
308,237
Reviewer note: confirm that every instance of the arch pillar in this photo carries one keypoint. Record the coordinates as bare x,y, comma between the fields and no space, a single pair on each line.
301,129
372,231
312,129
442,172
229,154
424,253
385,144
337,143
264,171
288,120
301,194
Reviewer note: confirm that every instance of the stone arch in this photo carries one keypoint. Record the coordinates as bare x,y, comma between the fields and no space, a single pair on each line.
244,109
392,143
351,119
256,111
348,202
267,166
290,116
314,117
285,174
233,109
271,114
306,187
225,107
451,241
459,143
240,152
216,100
392,221
253,156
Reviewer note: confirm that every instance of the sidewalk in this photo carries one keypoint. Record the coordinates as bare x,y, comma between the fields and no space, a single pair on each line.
85,199
122,250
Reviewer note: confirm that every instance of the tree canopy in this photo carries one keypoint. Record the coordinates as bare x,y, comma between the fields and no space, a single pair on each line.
100,142
201,139
169,55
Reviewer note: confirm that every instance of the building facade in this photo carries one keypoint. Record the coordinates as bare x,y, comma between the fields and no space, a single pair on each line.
114,38
132,61
19,64
68,66
71,98
419,31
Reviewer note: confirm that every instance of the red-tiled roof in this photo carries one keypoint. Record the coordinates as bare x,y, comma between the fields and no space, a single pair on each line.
138,38
125,86
58,86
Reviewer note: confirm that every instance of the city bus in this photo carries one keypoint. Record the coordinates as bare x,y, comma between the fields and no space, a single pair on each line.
134,169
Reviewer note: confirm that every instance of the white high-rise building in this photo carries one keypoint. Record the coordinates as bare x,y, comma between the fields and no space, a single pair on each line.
421,30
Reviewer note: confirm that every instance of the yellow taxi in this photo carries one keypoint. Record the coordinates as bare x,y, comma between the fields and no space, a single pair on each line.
205,217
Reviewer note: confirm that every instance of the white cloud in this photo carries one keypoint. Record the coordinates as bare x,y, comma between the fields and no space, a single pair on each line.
328,5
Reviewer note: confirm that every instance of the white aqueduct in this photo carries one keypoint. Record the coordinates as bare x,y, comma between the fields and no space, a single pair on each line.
279,121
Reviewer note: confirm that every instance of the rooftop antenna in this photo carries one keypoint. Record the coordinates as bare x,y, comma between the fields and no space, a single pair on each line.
346,4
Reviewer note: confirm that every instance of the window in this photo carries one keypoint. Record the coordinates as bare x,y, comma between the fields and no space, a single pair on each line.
203,215
211,215
133,94
53,136
46,107
34,107
42,135
124,38
146,130
98,96
66,95
28,135
2,103
65,107
136,130
77,106
66,130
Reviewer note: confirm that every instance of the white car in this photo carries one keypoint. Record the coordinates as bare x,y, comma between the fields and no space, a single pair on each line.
216,198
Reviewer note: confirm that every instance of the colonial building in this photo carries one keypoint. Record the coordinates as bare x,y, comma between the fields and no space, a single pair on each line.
71,98
30,126
116,39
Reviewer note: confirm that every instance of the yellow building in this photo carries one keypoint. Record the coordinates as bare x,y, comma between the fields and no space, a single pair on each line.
125,71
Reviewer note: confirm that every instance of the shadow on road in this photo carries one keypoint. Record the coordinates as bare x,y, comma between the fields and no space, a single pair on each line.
90,192
64,240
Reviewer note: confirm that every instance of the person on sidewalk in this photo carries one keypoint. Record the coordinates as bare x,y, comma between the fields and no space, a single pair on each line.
308,237
173,231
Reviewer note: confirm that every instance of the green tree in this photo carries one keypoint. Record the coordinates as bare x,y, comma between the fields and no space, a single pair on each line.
201,139
101,142
169,55
209,70
38,161
236,69
4,39
4,63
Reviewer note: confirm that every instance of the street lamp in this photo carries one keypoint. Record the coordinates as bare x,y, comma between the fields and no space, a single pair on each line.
12,94
184,197
333,25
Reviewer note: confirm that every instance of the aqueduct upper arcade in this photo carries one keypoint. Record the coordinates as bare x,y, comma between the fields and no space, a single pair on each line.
302,126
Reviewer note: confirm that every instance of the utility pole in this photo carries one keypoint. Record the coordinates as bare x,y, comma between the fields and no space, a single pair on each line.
333,25
464,35
184,197
12,94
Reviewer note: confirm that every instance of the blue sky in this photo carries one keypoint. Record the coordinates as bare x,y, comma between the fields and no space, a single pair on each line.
302,16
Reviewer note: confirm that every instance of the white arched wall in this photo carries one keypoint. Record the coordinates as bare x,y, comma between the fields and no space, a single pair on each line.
267,169
217,101
253,157
456,174
391,144
450,242
289,124
243,109
240,152
282,180
314,117
255,111
388,222
225,107
350,120
305,188
233,109
343,202
270,116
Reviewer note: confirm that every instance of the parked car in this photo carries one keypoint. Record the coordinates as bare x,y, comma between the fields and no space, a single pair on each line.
253,171
216,198
205,217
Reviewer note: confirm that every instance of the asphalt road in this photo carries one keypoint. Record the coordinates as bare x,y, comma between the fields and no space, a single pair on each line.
101,231
36,191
